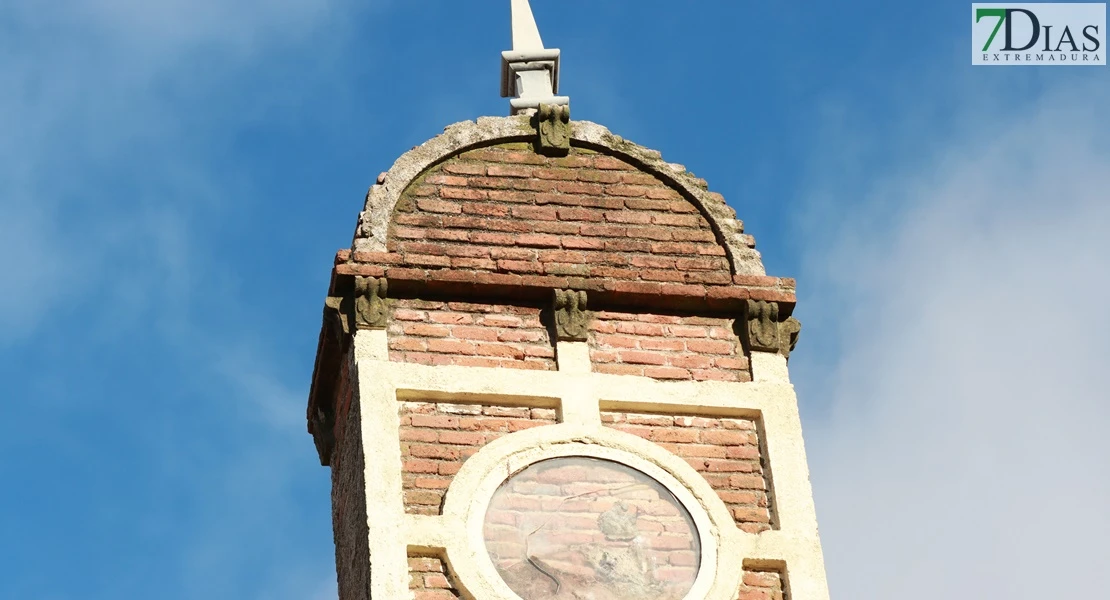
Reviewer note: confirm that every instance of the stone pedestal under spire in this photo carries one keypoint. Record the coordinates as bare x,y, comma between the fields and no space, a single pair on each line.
529,72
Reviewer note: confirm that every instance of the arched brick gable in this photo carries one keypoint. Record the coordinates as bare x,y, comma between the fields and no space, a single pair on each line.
586,138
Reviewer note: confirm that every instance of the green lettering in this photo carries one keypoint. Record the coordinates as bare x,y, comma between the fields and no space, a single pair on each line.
991,12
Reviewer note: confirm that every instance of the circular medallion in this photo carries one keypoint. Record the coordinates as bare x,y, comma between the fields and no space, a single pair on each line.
584,527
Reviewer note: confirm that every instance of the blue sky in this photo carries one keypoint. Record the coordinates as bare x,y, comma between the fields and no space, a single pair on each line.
175,177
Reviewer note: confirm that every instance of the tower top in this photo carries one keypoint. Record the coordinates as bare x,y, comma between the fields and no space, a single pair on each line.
529,72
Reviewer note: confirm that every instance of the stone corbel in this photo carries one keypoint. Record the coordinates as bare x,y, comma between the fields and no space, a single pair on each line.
371,311
553,124
337,316
364,309
768,332
572,322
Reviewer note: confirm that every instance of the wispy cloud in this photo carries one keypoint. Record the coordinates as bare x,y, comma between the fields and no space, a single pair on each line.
173,421
964,398
107,135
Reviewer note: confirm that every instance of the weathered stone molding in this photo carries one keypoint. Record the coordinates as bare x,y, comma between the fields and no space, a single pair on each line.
371,311
553,125
373,225
788,334
767,332
337,316
572,322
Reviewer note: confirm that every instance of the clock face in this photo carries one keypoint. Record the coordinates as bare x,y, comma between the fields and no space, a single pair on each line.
582,527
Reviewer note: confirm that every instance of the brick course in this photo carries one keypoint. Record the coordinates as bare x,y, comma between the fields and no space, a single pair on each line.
726,451
667,347
437,437
501,209
469,334
429,578
465,282
762,585
505,217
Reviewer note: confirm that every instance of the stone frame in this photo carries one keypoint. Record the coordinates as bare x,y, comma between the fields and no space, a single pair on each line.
580,395
472,490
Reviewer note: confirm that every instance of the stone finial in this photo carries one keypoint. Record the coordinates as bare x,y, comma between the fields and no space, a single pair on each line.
767,332
571,321
529,72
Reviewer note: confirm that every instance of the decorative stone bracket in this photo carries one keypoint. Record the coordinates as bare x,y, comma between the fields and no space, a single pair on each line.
553,124
767,332
572,323
337,316
371,311
364,309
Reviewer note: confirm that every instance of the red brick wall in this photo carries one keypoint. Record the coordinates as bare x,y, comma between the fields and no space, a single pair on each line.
667,347
436,438
763,585
348,497
467,334
429,579
725,451
507,209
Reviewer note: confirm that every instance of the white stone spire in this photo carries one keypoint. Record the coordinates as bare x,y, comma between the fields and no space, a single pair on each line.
529,72
526,35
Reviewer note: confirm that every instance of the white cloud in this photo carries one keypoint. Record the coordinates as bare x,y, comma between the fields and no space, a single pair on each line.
109,116
263,397
961,452
176,25
116,115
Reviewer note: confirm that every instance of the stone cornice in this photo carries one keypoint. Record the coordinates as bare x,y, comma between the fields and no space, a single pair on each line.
411,279
357,300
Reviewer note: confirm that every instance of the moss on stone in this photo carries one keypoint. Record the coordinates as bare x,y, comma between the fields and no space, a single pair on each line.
514,146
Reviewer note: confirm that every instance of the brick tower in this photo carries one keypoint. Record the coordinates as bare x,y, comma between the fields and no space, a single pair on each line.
552,366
